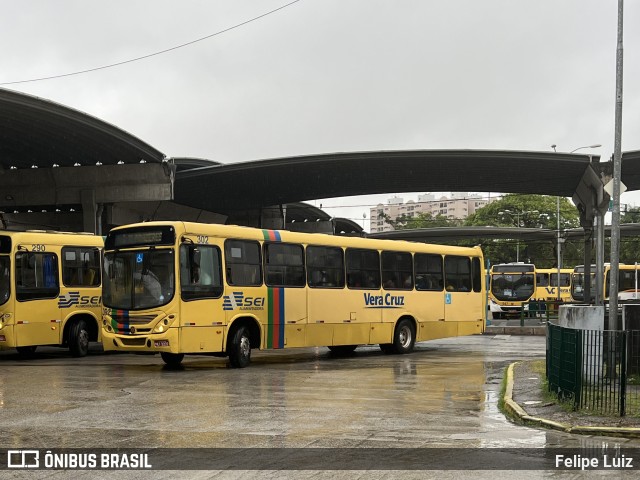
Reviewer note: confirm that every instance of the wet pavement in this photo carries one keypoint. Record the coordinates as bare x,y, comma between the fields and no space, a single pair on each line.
443,395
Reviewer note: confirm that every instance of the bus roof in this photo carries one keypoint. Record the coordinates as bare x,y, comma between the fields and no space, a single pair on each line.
50,237
514,267
251,233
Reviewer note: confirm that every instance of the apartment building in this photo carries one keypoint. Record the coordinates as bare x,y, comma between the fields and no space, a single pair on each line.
456,206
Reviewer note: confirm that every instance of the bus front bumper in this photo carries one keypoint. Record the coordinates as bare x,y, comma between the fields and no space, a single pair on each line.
7,338
168,341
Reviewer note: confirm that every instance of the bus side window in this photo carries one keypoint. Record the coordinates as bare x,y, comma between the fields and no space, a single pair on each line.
284,265
428,271
363,268
243,262
325,267
457,272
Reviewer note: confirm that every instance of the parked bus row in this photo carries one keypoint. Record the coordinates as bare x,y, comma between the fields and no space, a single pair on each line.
178,288
513,285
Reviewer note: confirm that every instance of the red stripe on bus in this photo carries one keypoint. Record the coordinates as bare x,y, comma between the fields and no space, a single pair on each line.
276,318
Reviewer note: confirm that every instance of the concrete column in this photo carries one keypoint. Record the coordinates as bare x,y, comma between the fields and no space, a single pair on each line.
591,319
89,210
587,266
272,217
599,297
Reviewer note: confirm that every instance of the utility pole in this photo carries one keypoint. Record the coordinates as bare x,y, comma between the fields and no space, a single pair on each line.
617,170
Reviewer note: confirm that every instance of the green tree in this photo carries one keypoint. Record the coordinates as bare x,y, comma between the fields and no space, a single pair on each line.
526,211
421,220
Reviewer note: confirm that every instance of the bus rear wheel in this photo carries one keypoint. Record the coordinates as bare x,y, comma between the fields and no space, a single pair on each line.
172,359
240,348
342,349
405,337
79,339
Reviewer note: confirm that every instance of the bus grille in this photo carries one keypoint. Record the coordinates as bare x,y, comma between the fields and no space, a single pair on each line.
133,342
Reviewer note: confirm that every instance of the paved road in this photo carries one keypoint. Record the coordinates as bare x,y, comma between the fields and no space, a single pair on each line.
443,395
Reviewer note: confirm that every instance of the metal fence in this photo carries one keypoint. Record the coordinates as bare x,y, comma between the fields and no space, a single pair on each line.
598,371
539,309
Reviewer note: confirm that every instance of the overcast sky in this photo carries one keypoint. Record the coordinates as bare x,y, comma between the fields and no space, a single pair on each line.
323,76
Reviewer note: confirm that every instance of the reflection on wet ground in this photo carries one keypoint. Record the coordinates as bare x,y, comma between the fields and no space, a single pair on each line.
443,395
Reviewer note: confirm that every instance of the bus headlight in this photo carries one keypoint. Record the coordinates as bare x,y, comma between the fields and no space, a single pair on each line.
164,323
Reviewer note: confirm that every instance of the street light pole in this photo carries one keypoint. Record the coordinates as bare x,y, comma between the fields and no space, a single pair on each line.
558,297
558,248
517,215
586,146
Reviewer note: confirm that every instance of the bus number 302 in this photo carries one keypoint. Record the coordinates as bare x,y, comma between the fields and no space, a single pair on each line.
203,239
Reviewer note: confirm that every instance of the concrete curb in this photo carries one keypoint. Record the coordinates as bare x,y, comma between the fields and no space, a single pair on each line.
516,410
526,330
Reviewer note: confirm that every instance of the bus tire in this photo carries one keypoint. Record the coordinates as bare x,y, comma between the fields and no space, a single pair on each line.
404,337
172,359
342,349
79,339
240,348
26,351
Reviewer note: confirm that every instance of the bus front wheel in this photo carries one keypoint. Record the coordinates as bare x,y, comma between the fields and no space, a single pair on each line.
172,359
240,348
404,337
79,339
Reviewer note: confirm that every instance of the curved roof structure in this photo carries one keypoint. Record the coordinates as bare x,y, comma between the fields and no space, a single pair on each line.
240,186
188,163
35,132
461,233
630,169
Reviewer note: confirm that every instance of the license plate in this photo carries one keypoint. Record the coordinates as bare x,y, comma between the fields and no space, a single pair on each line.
161,343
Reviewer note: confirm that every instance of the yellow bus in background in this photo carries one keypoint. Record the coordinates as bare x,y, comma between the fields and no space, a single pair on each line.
511,284
186,288
547,284
50,290
627,282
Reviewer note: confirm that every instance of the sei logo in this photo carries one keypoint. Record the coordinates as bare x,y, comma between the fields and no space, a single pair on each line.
237,301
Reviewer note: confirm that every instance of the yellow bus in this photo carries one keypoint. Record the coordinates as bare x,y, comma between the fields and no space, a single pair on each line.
50,290
627,282
186,288
511,284
547,284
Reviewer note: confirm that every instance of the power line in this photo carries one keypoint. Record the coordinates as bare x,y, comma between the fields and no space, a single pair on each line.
155,53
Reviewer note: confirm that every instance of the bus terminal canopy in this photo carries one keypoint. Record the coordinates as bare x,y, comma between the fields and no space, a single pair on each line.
39,133
239,186
42,143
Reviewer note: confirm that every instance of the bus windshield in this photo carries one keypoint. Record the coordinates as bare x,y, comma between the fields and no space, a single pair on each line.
5,279
138,279
512,286
577,286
